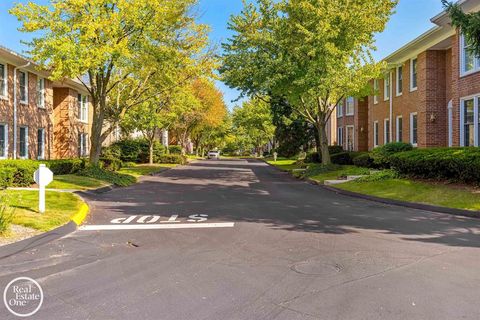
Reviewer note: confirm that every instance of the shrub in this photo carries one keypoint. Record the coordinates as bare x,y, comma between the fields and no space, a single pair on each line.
342,158
7,176
66,166
172,159
113,151
127,150
453,164
314,157
381,155
24,170
363,160
175,149
129,164
335,149
122,180
158,151
379,176
111,164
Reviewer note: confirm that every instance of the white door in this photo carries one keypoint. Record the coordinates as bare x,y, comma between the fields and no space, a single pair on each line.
350,138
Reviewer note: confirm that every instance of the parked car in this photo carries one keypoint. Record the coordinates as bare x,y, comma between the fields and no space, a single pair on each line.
213,155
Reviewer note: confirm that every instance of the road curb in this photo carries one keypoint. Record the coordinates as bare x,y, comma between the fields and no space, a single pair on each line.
399,203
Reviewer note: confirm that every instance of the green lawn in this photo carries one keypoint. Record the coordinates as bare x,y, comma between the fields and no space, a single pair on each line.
284,164
77,182
321,173
415,191
60,207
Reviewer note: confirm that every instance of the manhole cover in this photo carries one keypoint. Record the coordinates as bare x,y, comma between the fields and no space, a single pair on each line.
317,268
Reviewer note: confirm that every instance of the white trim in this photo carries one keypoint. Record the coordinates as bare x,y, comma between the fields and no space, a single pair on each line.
476,126
411,128
340,109
386,89
340,136
5,149
353,137
397,87
26,142
450,123
476,60
397,132
385,128
4,95
42,155
26,87
41,92
412,88
375,89
375,134
353,106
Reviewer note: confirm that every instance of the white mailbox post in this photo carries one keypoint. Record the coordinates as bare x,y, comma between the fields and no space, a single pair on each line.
43,176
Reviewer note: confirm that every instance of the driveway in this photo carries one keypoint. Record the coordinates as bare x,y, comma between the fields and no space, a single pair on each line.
237,239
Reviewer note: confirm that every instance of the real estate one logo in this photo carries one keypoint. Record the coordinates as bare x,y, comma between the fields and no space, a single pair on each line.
23,296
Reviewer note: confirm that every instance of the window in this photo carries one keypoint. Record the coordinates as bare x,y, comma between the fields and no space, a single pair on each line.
375,134
41,143
41,93
399,129
413,129
82,145
413,74
340,136
82,108
470,122
375,89
23,87
386,131
3,141
3,80
386,88
340,109
399,81
350,110
468,62
23,142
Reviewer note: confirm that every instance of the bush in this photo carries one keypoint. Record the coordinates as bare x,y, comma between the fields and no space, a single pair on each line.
335,149
113,151
381,155
122,180
453,164
363,160
133,150
24,170
111,164
158,151
129,164
379,176
314,157
342,158
7,177
65,166
172,159
175,149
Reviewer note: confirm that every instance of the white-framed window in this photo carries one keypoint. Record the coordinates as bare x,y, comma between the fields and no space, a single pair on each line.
41,143
470,121
340,109
413,129
468,62
82,144
450,123
23,84
350,137
386,131
413,74
399,128
23,142
375,89
375,133
350,108
3,141
82,108
41,93
3,81
340,136
399,81
386,88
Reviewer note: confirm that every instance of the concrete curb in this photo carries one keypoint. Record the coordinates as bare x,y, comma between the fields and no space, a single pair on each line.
413,205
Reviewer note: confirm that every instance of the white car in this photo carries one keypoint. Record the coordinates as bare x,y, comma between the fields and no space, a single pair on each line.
213,155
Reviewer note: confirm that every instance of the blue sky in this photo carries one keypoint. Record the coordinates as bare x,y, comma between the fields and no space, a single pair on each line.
411,19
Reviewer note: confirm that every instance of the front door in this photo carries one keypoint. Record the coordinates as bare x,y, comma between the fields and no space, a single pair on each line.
350,135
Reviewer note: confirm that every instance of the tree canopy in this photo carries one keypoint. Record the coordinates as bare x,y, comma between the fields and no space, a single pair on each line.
469,23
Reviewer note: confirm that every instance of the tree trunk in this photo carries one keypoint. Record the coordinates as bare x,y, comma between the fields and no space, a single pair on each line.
323,151
150,158
96,138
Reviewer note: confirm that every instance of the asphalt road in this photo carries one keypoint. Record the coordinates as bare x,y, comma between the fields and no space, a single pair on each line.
295,251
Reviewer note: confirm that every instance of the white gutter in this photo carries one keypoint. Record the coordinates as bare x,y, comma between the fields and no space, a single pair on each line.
15,108
391,106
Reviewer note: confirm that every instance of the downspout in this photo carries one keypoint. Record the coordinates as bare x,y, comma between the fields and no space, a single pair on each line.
15,108
391,106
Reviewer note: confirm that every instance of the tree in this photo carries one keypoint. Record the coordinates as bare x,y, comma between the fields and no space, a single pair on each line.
110,45
311,52
469,23
253,122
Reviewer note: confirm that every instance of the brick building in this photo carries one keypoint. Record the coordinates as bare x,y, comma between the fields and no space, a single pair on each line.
40,118
430,95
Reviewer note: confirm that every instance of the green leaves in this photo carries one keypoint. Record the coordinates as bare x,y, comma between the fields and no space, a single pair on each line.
469,23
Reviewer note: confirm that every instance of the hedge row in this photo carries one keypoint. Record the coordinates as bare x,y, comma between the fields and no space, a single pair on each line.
138,151
453,164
